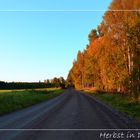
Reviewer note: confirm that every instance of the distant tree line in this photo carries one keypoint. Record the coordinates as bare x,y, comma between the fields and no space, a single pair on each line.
55,82
23,85
111,60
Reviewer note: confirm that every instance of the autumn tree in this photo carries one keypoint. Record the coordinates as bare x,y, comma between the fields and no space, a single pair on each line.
111,60
122,28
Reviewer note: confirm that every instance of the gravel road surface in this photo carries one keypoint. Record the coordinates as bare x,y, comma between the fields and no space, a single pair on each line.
70,116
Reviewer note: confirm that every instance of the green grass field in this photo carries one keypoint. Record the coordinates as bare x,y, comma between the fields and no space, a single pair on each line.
12,100
40,89
120,103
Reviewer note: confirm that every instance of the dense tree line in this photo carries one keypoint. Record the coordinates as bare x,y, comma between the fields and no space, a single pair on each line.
55,82
23,85
111,60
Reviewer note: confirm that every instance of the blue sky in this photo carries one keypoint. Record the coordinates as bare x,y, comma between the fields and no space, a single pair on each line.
35,45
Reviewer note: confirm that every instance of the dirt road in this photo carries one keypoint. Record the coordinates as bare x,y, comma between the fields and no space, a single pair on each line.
70,116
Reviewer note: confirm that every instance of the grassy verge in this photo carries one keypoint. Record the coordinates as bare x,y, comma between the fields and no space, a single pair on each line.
14,100
15,90
120,103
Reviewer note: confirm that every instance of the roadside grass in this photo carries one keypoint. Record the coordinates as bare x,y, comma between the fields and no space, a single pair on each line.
14,100
120,103
13,90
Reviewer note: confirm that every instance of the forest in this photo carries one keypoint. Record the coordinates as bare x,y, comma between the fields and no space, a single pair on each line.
111,60
49,83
